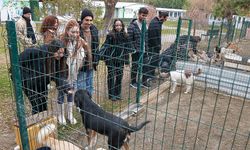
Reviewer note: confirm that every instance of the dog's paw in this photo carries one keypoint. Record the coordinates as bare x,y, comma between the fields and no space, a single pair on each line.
86,148
172,91
78,109
186,92
17,147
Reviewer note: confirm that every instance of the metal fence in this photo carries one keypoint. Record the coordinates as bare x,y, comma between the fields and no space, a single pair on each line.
214,115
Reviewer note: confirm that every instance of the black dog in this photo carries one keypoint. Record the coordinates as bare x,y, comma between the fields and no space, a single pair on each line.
97,120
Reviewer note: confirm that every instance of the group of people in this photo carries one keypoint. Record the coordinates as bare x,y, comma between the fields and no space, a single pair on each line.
119,44
67,59
70,59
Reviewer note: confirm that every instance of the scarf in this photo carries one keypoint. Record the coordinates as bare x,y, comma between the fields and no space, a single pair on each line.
74,60
30,31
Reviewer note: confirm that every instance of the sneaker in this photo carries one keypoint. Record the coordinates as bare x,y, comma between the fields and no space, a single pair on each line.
134,85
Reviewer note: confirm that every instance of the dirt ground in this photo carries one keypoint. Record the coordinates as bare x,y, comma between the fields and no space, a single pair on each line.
202,120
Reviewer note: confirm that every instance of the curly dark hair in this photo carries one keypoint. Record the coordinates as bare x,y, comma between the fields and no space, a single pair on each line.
49,23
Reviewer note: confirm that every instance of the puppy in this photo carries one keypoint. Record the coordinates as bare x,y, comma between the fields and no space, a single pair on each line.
54,144
221,52
233,46
182,77
97,120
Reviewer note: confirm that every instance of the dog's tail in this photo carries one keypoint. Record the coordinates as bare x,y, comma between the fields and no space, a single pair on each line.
139,127
44,132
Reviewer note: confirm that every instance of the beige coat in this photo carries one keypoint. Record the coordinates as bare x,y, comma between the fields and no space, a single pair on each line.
21,30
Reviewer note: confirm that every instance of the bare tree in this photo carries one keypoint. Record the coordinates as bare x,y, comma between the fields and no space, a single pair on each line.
198,10
109,13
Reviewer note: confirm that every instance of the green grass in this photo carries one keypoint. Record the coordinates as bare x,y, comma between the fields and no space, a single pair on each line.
2,34
5,90
171,23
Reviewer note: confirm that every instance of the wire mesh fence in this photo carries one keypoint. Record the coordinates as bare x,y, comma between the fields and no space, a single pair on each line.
212,115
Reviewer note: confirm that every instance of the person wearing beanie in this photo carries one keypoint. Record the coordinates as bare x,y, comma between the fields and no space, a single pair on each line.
25,29
90,34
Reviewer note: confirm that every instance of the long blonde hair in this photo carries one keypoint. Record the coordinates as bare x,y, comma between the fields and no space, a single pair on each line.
65,37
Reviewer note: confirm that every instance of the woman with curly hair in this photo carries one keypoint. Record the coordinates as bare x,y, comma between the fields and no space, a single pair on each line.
75,48
49,28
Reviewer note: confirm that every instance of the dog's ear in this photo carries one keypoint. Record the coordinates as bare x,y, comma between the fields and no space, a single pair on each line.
217,49
77,98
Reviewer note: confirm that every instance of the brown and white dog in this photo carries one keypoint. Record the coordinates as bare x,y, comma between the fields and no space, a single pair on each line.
182,77
96,120
44,139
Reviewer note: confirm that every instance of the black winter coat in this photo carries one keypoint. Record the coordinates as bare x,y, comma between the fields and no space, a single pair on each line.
116,49
179,51
134,33
34,72
94,46
167,58
154,35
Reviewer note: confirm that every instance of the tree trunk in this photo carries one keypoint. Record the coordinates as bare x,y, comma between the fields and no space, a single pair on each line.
109,13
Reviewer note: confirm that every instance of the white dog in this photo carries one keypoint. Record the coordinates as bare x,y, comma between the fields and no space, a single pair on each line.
44,139
182,77
55,144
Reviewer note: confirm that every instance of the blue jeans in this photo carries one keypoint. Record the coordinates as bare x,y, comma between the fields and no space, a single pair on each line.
61,92
85,80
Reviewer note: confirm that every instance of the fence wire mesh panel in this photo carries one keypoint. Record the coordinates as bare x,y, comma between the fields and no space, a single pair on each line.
184,85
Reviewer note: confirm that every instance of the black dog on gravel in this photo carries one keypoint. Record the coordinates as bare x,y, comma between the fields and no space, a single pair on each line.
95,119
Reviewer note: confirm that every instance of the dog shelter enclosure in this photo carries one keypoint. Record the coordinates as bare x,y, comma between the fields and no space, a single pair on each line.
215,115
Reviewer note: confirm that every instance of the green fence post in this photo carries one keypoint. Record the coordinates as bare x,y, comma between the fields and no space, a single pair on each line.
178,31
221,28
229,31
234,28
34,6
16,77
210,37
140,62
123,12
242,28
189,32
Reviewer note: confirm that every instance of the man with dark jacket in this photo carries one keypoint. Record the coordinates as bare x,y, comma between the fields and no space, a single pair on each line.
134,32
90,34
154,40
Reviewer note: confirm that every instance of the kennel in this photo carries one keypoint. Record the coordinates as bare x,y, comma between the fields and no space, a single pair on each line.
205,119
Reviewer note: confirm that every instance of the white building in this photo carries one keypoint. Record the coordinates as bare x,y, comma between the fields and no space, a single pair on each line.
122,9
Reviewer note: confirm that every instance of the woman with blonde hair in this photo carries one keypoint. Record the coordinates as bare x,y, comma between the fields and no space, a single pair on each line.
75,48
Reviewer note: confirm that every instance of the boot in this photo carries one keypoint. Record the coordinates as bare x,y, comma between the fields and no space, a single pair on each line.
71,119
60,115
